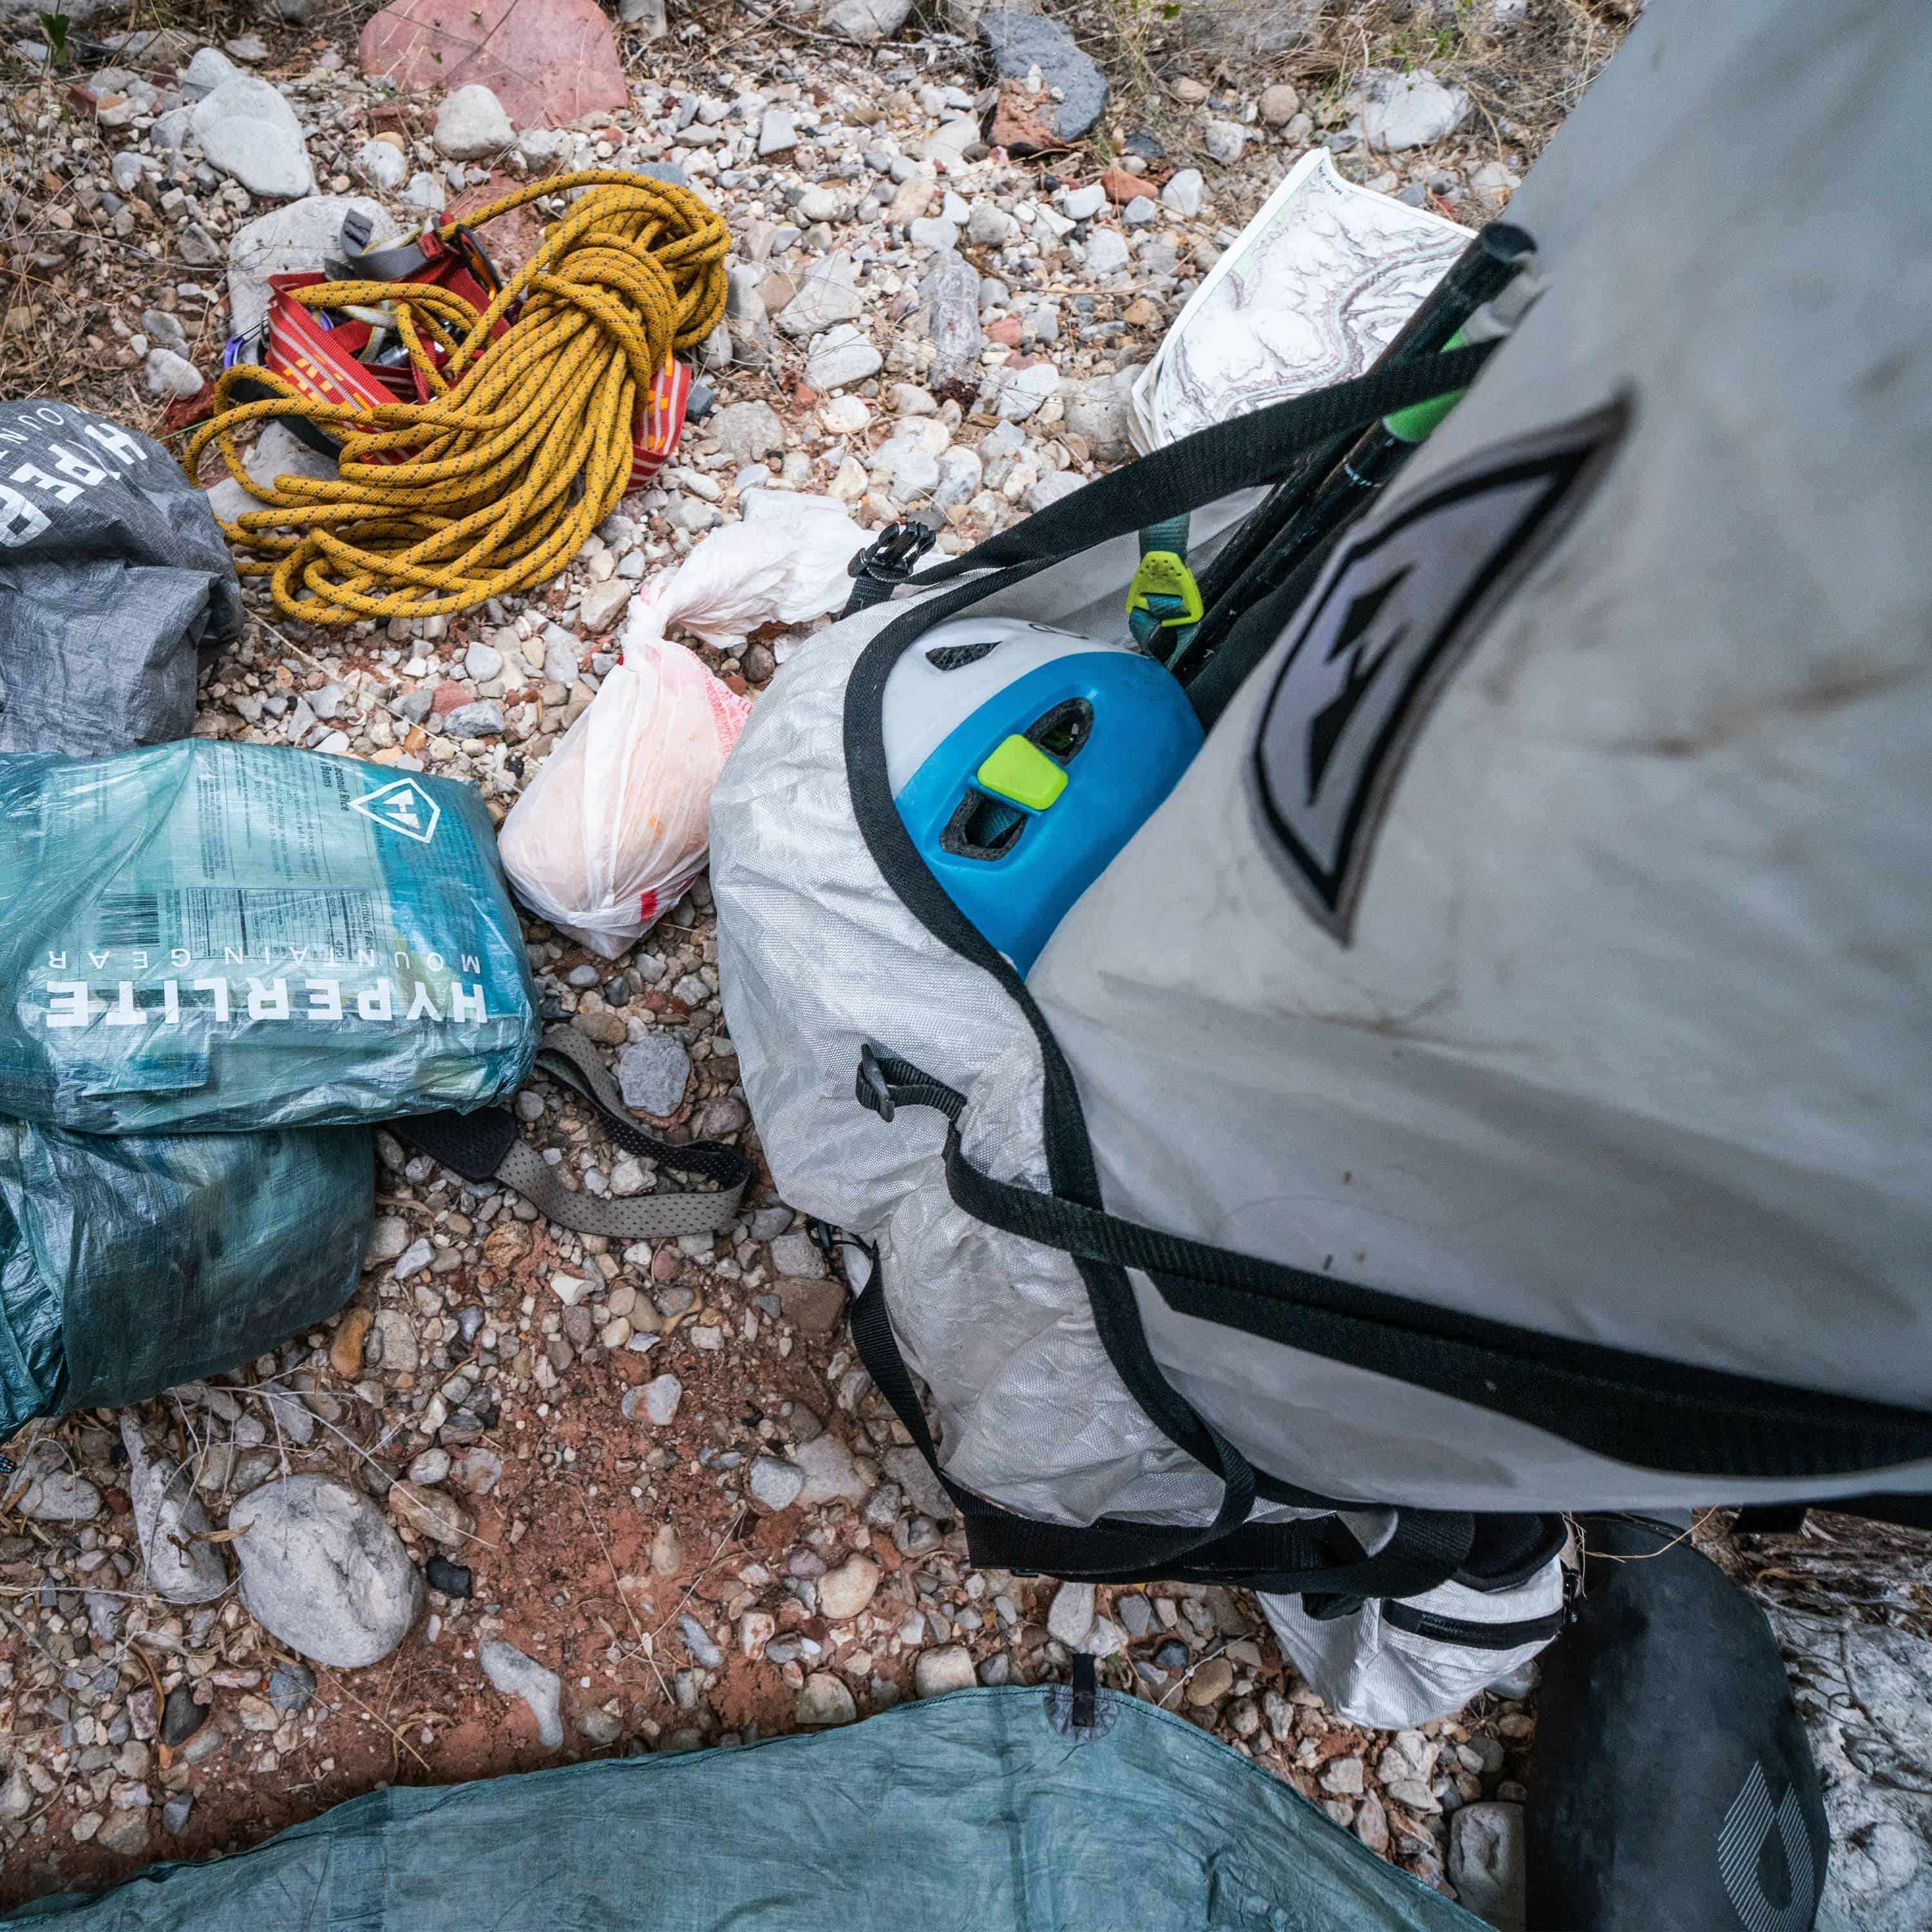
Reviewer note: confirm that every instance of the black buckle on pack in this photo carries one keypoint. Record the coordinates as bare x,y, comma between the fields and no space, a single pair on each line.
870,1090
892,555
888,561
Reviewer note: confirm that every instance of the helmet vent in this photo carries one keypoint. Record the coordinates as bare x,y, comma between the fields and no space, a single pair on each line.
956,657
983,827
1064,730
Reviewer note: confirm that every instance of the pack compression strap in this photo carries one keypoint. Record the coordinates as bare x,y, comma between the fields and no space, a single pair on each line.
486,1146
1641,1410
1427,1549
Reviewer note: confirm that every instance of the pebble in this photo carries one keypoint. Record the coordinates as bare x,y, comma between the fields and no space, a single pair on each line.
414,1259
472,126
1224,141
246,129
777,133
1278,105
1211,1682
774,1485
168,1518
382,165
59,1497
1400,111
451,1579
840,355
844,1592
830,1475
823,1699
949,1668
1071,1615
659,1400
322,1571
181,1717
434,1513
515,1675
1486,1861
699,1642
1342,1777
171,375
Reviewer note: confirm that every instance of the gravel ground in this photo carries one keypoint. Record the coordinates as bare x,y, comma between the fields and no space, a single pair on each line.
650,1487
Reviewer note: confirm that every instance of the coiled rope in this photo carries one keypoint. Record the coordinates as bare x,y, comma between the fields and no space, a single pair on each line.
518,454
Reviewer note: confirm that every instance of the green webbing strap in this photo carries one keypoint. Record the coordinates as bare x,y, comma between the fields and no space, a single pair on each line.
1158,601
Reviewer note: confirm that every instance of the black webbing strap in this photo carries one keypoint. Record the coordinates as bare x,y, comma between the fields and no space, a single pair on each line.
1213,462
486,1146
1642,1410
1428,1548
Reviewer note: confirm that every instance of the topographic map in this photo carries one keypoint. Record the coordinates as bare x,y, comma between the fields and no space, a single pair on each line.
1310,293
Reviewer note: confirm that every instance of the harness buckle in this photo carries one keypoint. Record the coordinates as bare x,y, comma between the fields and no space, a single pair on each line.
1163,575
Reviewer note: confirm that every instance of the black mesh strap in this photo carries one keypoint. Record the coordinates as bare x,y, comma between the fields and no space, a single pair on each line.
1257,448
1428,1548
485,1146
1638,1409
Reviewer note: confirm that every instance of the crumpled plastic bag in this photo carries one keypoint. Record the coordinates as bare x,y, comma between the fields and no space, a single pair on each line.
616,823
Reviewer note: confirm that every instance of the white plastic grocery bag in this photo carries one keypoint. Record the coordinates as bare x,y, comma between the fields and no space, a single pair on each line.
615,824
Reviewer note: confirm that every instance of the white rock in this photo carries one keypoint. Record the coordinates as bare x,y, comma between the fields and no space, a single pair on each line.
1224,140
425,191
388,1234
776,132
865,19
1107,253
1051,488
839,356
937,1672
961,473
171,375
830,1474
472,126
291,241
748,431
933,233
206,72
844,1592
844,415
1487,1861
323,1571
1082,204
58,1496
1071,1616
1183,190
988,226
246,129
603,603
828,296
415,1259
1022,391
654,1071
1408,110
383,165
661,1397
517,1675
775,1485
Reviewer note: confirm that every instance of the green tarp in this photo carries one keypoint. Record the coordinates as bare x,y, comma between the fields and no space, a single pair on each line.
128,1265
973,1813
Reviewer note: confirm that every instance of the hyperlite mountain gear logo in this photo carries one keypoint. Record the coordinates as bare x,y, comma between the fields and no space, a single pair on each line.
403,807
1754,1836
1396,612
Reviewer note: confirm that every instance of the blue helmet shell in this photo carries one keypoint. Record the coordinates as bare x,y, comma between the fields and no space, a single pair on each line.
1105,730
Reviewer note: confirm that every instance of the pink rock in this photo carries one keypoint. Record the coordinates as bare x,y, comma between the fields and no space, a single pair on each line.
448,698
549,62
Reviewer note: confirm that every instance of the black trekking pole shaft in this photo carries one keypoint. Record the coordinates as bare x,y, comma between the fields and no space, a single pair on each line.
1305,506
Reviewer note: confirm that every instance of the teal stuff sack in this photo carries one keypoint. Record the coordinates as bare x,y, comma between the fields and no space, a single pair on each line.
200,937
128,1265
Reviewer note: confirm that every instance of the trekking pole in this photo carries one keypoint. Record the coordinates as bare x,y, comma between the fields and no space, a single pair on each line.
1334,484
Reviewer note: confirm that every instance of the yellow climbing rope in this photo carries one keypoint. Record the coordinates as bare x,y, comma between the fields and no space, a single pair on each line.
518,454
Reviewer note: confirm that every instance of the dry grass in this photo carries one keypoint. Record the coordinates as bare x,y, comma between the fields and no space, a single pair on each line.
1525,78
